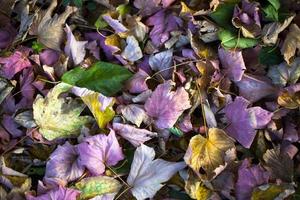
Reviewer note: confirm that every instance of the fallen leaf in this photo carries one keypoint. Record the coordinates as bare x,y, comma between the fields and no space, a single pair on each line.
165,106
64,163
60,193
50,29
271,31
243,121
209,153
230,40
15,63
248,178
99,185
100,105
103,77
162,62
279,164
58,117
132,51
233,63
135,136
291,43
147,175
134,113
74,49
98,151
283,74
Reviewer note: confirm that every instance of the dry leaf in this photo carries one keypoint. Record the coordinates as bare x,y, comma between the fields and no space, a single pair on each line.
291,43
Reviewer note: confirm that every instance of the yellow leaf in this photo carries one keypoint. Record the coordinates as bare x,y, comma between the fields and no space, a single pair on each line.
196,189
209,153
200,48
185,9
291,43
102,114
288,100
113,40
206,71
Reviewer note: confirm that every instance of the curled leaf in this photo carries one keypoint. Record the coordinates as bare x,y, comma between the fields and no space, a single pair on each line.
291,43
74,49
50,29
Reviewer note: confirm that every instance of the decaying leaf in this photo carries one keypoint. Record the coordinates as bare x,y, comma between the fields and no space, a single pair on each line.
279,164
98,185
58,117
291,43
290,97
208,154
271,31
48,29
196,189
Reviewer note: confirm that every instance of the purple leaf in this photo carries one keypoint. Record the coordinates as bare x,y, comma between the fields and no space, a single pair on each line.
63,163
49,57
249,177
166,3
74,49
247,18
137,83
134,135
97,151
7,35
243,121
162,63
254,88
15,63
233,63
165,106
60,193
164,23
147,7
134,113
115,24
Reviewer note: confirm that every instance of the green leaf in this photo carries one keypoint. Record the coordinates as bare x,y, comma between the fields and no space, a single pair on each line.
59,117
103,77
37,47
123,9
100,23
99,185
176,131
223,15
78,3
66,2
270,56
230,40
275,4
91,6
270,13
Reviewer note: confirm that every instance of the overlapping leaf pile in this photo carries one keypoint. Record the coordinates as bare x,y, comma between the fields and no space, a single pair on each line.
149,99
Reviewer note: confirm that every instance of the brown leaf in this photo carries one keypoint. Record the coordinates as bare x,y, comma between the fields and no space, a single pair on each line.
50,29
291,43
271,31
